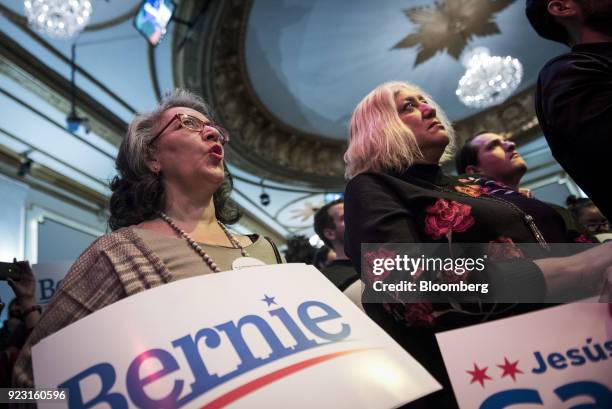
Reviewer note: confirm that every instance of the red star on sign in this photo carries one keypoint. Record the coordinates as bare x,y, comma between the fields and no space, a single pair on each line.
479,375
510,368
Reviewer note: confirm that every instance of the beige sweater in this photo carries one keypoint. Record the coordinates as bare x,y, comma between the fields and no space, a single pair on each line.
116,266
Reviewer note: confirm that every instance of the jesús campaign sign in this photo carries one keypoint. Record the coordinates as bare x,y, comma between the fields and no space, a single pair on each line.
273,336
559,357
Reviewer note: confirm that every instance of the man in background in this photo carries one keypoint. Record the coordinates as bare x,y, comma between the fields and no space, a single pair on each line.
492,155
495,157
574,92
329,226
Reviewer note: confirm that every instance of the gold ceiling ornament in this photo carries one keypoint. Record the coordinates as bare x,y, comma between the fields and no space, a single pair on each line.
449,25
306,211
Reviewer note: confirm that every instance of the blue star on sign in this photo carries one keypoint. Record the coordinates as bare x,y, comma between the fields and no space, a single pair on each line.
269,300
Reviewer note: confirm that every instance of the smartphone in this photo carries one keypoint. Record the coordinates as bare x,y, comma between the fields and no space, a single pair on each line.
9,270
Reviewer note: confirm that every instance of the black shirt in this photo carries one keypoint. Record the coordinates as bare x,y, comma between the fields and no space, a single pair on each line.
546,217
574,108
341,273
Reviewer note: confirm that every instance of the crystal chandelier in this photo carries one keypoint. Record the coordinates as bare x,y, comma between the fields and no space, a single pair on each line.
488,80
58,18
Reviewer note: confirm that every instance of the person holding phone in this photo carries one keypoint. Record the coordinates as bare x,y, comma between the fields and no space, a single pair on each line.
168,211
23,315
23,311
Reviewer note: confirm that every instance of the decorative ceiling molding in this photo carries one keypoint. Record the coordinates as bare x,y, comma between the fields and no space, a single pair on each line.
449,25
515,118
49,181
29,148
300,212
23,24
14,17
213,64
31,73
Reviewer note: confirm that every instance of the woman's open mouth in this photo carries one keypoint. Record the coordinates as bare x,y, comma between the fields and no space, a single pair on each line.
216,151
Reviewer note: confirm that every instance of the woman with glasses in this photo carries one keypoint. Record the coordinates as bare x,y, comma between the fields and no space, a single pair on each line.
588,215
168,211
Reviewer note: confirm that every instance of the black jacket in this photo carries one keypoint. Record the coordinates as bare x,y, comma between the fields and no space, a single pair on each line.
392,208
574,108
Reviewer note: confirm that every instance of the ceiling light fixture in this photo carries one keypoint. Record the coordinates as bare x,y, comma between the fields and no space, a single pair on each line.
58,18
488,80
264,198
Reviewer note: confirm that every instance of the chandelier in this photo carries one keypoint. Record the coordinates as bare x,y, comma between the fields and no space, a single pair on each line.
58,18
488,80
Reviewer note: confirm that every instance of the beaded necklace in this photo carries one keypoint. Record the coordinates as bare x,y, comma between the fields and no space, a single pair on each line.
199,250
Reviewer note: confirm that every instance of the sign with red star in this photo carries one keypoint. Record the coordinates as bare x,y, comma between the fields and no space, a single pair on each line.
510,369
542,359
479,375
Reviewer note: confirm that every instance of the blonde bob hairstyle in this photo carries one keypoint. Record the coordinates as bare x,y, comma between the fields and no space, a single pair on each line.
379,140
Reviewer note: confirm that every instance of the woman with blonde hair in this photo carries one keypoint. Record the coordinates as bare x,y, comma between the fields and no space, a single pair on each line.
397,193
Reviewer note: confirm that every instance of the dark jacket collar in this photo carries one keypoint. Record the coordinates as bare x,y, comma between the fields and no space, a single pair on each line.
428,173
600,48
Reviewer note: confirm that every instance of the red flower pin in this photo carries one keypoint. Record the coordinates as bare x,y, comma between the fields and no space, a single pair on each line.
446,217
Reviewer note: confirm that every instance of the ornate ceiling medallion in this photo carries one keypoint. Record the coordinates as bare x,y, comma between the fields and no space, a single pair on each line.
306,212
212,63
449,25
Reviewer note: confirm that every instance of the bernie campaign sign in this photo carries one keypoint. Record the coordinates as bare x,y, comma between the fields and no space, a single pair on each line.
559,357
48,276
272,336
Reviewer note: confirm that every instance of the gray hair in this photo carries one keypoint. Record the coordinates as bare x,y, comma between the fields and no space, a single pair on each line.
138,193
143,128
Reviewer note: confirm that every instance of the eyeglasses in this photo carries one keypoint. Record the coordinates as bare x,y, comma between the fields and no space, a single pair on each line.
598,227
194,124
